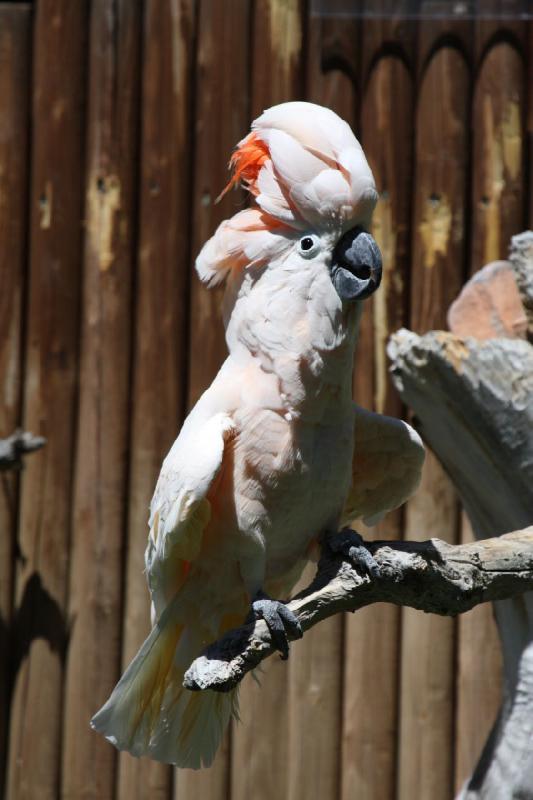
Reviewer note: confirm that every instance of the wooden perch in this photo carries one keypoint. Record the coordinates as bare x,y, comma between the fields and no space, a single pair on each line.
431,576
17,445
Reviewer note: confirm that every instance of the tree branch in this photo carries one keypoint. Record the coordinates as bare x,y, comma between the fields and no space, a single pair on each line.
431,576
15,446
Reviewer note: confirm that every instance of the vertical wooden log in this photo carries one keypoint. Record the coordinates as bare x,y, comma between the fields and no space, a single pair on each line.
497,214
15,61
369,758
427,673
103,423
160,354
222,119
498,154
277,53
262,757
51,362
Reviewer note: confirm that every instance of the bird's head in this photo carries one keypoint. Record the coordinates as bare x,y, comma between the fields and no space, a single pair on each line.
314,195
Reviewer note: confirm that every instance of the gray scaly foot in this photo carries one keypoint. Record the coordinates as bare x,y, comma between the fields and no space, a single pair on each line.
280,620
351,544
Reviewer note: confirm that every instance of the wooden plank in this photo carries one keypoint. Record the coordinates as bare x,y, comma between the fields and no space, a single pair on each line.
262,757
498,154
497,213
277,42
162,282
103,422
15,61
427,667
369,728
222,83
51,362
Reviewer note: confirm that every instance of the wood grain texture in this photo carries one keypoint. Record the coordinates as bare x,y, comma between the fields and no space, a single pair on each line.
15,63
160,345
428,644
277,74
51,373
498,154
95,599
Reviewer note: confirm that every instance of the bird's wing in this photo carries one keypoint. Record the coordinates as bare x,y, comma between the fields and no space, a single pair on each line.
180,508
386,466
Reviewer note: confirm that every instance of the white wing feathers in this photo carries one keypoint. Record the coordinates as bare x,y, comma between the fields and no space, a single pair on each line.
386,468
180,509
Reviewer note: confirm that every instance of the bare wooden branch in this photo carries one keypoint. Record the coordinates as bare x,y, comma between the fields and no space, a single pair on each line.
431,576
15,446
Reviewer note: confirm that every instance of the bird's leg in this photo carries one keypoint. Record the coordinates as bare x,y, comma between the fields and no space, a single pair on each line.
280,620
351,544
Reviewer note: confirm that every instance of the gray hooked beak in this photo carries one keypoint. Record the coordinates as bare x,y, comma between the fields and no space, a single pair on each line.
356,265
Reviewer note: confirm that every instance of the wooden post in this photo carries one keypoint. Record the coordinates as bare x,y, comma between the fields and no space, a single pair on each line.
427,665
95,599
15,61
51,374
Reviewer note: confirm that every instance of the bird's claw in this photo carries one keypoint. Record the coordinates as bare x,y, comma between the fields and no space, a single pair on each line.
351,544
280,621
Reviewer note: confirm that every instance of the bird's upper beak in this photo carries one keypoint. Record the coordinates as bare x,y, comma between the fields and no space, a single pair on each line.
356,265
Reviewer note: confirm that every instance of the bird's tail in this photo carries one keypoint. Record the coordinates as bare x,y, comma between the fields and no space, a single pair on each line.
149,713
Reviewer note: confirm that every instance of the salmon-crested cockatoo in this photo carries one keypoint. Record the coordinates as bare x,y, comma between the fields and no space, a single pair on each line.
275,457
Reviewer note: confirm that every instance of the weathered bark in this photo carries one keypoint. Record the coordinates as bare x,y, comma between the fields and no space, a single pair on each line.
431,576
474,403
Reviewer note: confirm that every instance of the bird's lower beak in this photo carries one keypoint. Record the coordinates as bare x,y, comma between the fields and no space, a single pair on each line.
356,266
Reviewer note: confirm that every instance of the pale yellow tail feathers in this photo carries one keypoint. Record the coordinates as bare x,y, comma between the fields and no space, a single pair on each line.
149,713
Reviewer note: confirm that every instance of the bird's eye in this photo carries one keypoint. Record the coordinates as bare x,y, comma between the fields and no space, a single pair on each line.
309,245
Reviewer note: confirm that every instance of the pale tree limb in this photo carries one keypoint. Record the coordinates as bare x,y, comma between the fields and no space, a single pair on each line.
16,446
431,576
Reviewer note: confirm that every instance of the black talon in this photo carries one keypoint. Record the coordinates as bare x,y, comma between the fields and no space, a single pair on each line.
280,620
351,544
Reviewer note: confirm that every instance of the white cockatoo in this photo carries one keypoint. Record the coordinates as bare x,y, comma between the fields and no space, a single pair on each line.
275,456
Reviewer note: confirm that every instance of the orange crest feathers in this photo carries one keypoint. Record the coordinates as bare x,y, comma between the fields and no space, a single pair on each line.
246,161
